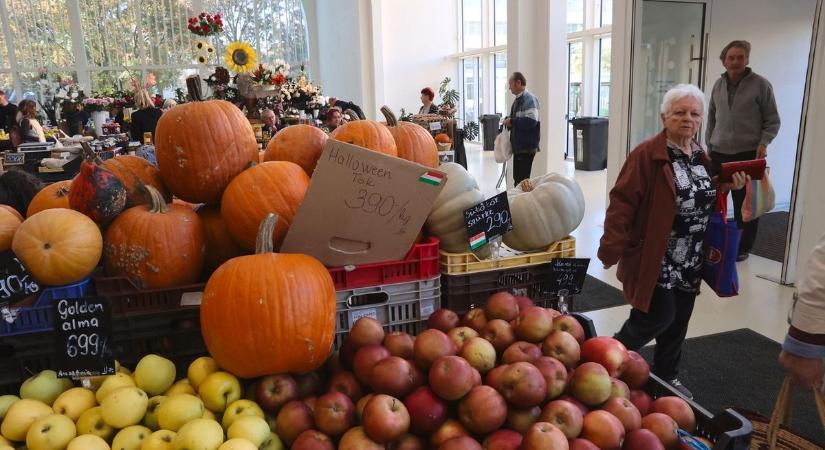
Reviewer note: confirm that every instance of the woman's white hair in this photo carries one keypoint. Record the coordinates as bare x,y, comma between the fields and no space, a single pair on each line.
681,91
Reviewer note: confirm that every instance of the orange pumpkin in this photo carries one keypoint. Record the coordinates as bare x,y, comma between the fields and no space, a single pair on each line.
9,222
157,246
201,147
301,144
274,186
443,138
414,142
55,195
269,313
135,173
220,247
58,246
368,134
13,211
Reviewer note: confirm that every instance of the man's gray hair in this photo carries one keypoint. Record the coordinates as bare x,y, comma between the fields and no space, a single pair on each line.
744,45
681,91
267,110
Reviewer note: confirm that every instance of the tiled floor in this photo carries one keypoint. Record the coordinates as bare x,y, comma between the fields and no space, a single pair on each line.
761,305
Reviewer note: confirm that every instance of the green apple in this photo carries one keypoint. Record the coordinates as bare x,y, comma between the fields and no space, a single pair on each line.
218,390
154,374
150,420
43,386
181,386
53,432
200,369
5,403
20,416
113,383
88,442
252,428
240,408
237,444
74,402
124,407
175,411
91,422
159,440
199,434
131,438
274,443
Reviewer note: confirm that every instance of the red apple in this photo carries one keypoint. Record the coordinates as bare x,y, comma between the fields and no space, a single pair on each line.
366,331
664,427
583,444
642,401
431,345
544,436
524,302
293,419
365,360
451,428
534,323
312,440
500,334
475,319
555,375
569,324
460,443
591,384
347,383
461,335
522,385
451,377
604,430
357,439
624,410
503,440
522,419
582,407
642,439
274,391
309,384
636,371
359,407
553,312
427,410
483,410
521,351
607,351
566,416
678,409
408,442
493,378
400,344
562,346
443,319
501,305
386,419
618,388
395,376
480,353
334,413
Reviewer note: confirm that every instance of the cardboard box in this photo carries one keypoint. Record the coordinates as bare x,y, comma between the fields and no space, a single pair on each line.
362,207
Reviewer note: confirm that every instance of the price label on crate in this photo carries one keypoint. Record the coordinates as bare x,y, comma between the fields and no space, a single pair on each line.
14,159
487,220
83,337
16,283
567,274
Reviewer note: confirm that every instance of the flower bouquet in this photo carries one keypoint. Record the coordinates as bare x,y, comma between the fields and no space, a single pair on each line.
267,78
301,94
97,103
205,24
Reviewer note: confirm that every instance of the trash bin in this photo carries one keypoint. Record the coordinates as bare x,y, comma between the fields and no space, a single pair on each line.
590,142
489,130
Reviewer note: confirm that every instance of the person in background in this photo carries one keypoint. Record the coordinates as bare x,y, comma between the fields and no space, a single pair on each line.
17,188
8,113
343,106
76,118
30,128
655,228
271,121
333,120
145,119
804,346
525,127
742,122
168,104
427,105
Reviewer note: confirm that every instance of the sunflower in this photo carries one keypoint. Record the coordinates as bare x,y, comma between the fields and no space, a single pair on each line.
240,57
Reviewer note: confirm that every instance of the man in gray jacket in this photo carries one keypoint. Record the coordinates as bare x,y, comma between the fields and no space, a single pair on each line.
742,122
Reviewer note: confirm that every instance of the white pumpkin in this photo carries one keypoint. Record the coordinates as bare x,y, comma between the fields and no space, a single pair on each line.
446,219
544,210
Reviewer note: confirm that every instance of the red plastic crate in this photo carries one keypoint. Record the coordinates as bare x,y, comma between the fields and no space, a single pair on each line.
420,263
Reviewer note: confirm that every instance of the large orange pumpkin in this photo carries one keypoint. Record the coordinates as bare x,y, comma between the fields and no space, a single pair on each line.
201,147
220,247
135,173
368,134
271,187
414,143
443,138
55,195
157,246
9,222
301,144
269,313
58,246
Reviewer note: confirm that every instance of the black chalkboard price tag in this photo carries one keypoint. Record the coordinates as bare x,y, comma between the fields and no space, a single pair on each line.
83,331
487,220
567,274
16,283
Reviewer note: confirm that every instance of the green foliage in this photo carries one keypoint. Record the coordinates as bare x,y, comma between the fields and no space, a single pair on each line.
471,131
449,96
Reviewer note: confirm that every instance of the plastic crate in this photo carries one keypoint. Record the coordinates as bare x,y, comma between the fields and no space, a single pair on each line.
40,316
127,299
420,263
399,307
455,263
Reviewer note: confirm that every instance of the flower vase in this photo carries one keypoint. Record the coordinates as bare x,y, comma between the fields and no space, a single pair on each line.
99,118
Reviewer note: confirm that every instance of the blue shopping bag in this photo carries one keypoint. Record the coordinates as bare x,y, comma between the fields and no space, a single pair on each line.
721,248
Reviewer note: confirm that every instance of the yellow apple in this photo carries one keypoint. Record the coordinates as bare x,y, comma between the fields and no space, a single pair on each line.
5,403
207,414
150,420
43,386
251,428
74,402
4,441
122,369
20,416
131,438
274,443
200,434
113,383
159,440
200,369
181,386
218,390
175,411
124,407
6,447
237,444
88,442
240,408
154,374
91,422
53,432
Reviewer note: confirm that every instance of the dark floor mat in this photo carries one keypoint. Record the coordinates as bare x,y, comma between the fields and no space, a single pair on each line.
770,238
597,294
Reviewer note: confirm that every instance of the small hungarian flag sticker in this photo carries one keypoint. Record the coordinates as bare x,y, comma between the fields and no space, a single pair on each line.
432,177
478,240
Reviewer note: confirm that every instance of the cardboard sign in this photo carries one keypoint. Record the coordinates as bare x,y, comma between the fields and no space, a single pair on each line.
14,159
83,333
362,207
487,220
16,283
435,126
567,274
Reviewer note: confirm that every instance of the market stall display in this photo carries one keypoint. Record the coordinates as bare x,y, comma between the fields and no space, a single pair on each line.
55,195
414,143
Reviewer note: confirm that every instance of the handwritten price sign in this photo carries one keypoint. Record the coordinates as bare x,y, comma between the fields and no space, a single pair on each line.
16,283
83,329
487,220
568,274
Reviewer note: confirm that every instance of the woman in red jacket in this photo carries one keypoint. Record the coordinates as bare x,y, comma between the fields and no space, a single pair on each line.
655,227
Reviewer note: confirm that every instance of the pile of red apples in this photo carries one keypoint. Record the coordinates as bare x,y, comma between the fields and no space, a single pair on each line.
510,376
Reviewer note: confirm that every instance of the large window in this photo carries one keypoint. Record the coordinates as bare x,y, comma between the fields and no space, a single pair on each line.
604,76
500,83
471,74
471,24
500,22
